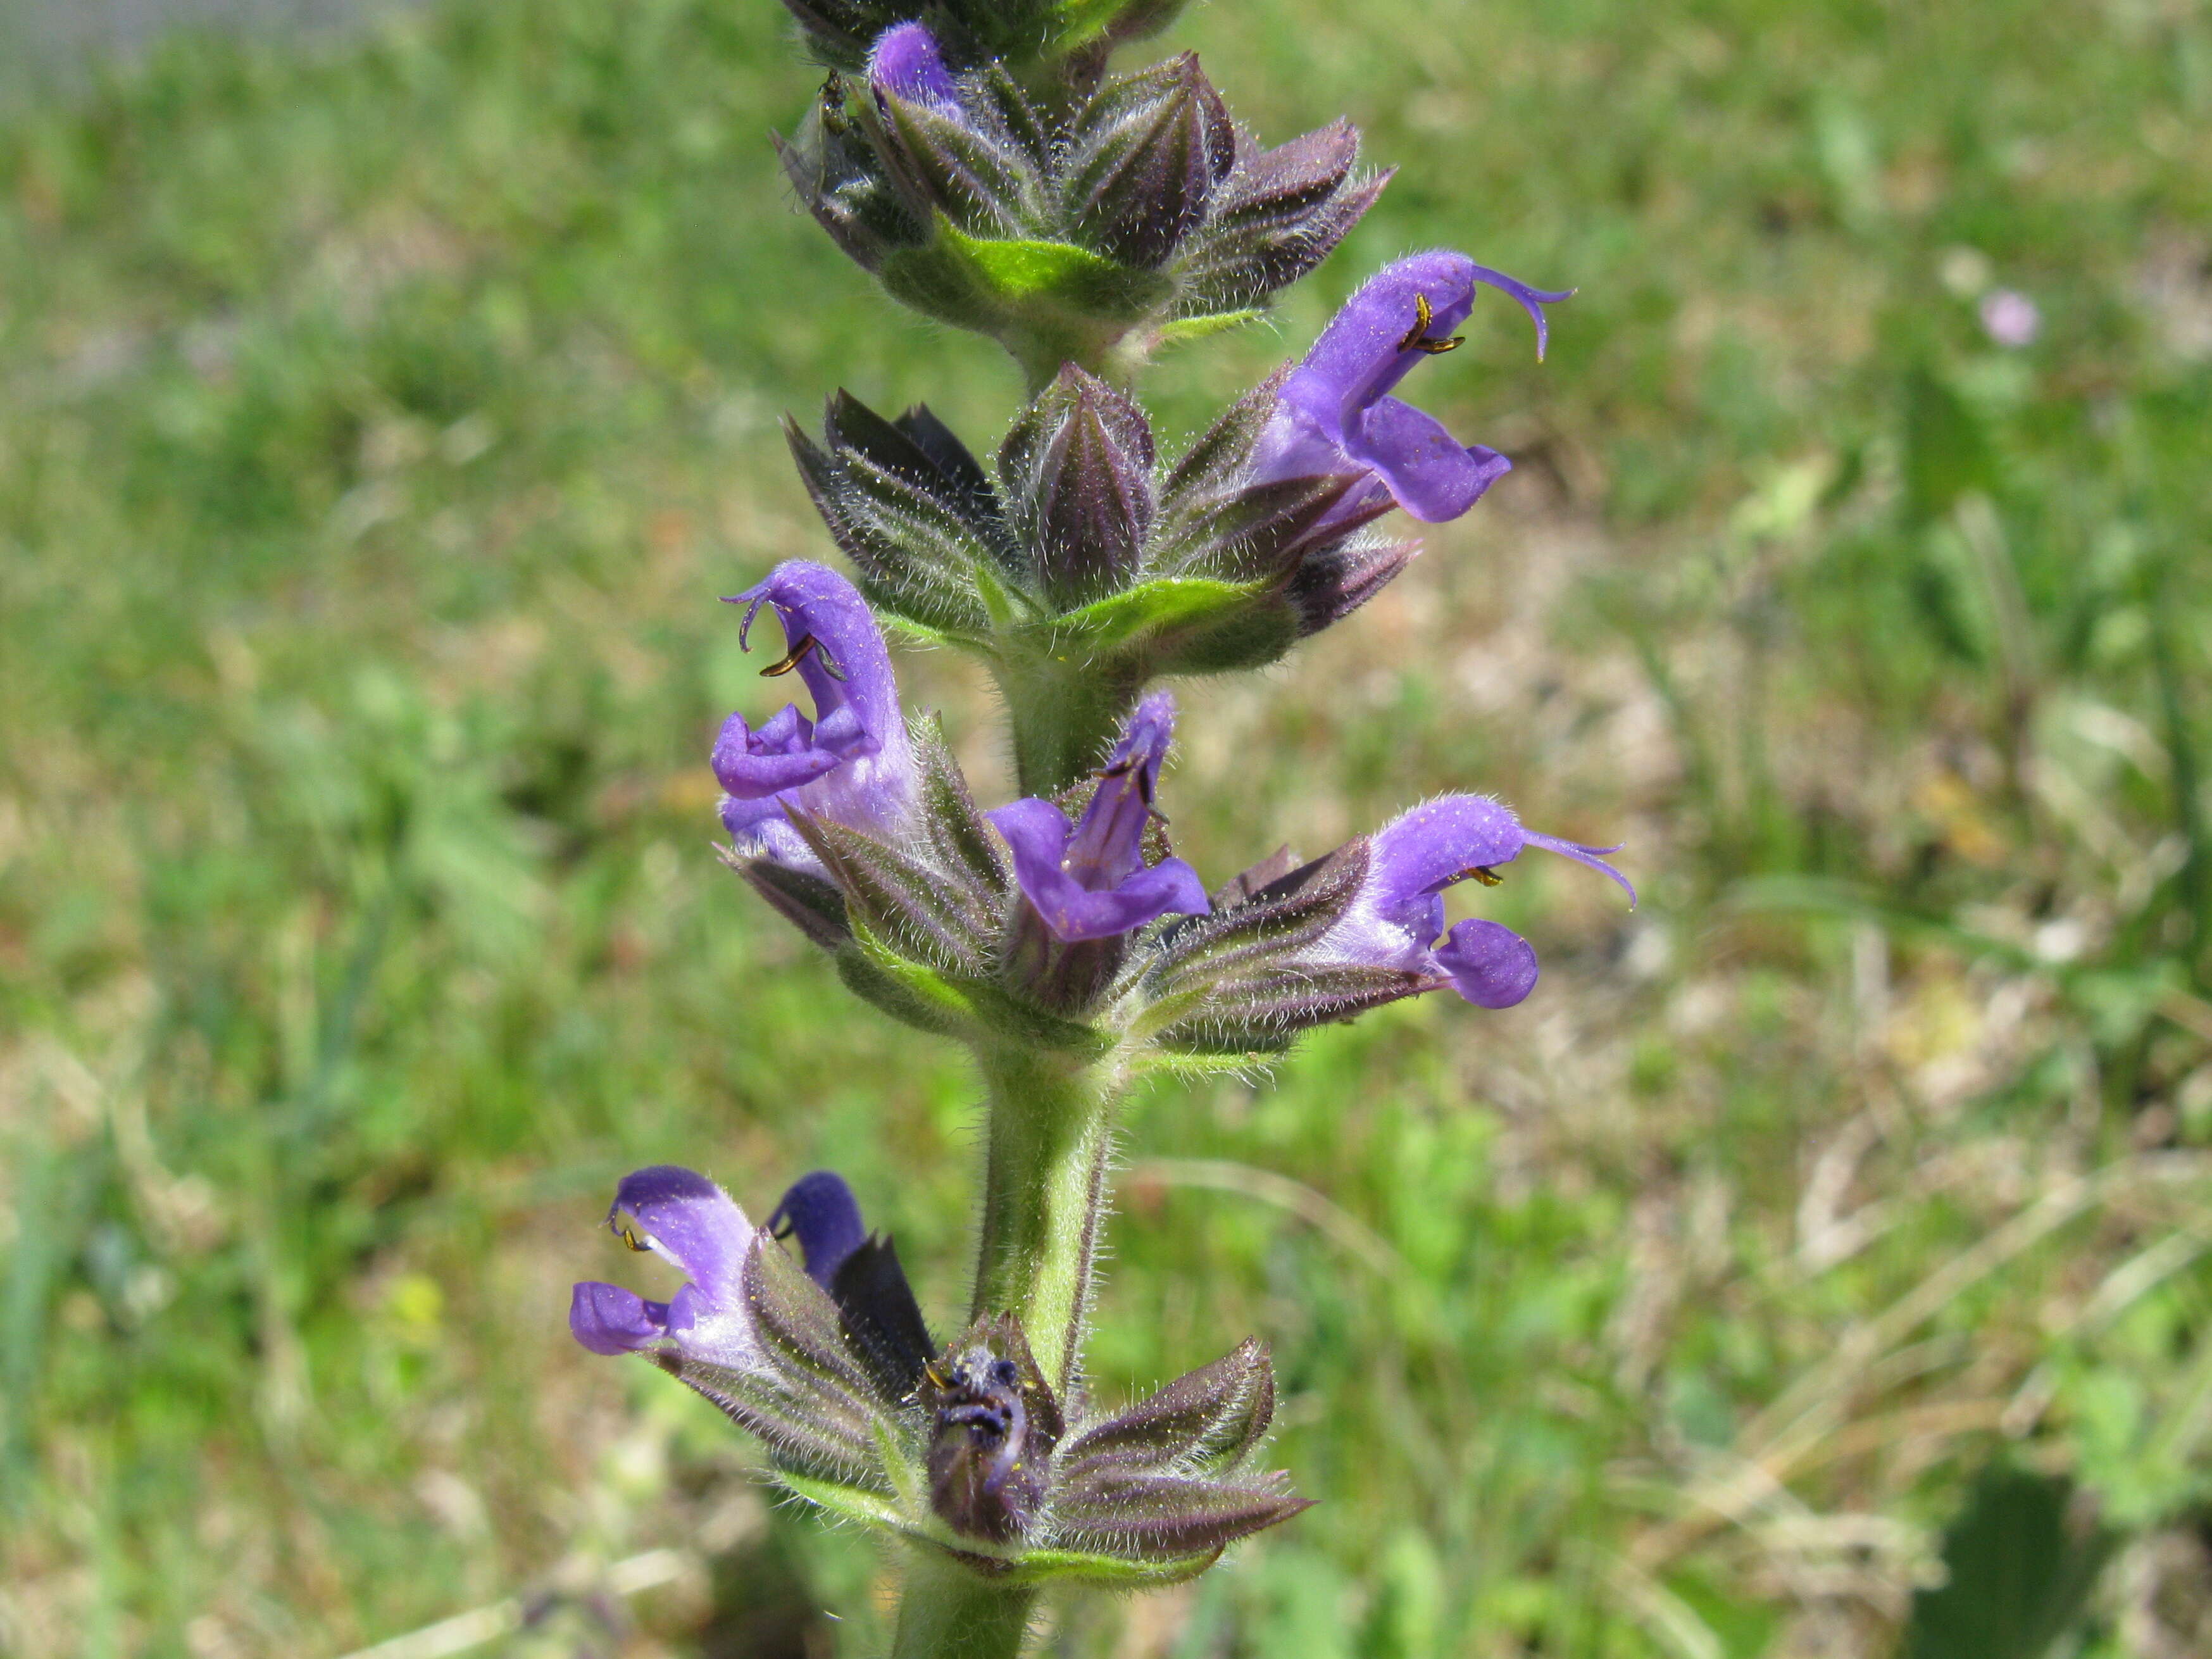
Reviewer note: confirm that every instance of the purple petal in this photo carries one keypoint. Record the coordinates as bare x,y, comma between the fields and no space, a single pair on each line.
1108,846
850,668
1361,354
608,1319
754,765
820,1211
1489,964
1334,407
747,820
1431,474
721,1334
906,63
1298,443
686,1220
1037,832
1170,886
1532,300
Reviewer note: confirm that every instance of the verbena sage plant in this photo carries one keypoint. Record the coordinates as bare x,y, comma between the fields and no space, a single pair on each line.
979,159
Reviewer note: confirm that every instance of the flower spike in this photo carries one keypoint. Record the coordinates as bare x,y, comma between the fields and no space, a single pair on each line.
980,161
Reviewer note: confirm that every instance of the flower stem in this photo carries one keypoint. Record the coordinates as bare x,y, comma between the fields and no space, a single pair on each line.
1065,716
946,1611
1043,1194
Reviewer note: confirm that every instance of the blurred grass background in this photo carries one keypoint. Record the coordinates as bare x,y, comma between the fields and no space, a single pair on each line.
1816,1266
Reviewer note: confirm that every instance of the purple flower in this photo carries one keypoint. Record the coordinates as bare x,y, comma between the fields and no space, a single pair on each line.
1088,880
710,1332
849,763
1397,918
689,1221
1334,414
906,62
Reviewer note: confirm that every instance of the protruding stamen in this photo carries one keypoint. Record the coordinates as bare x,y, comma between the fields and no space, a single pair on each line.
1417,338
806,643
1483,873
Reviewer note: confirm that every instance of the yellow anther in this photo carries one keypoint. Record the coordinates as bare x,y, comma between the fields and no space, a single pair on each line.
1417,338
791,659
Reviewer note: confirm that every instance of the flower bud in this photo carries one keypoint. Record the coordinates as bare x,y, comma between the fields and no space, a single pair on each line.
910,506
1112,216
1150,162
1077,471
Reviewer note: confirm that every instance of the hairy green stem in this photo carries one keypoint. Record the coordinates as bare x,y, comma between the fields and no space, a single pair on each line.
946,1611
1044,1197
1047,1137
1063,716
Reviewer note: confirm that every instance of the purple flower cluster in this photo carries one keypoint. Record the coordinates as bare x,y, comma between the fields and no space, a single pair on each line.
1090,877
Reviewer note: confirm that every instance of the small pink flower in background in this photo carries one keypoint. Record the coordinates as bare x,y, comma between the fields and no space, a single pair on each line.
2010,318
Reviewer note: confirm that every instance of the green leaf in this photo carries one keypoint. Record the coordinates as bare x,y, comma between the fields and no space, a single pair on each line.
870,1509
987,283
1029,1027
906,991
922,633
1047,303
1021,270
1103,1571
1183,329
1152,609
1182,625
2019,1575
1250,638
